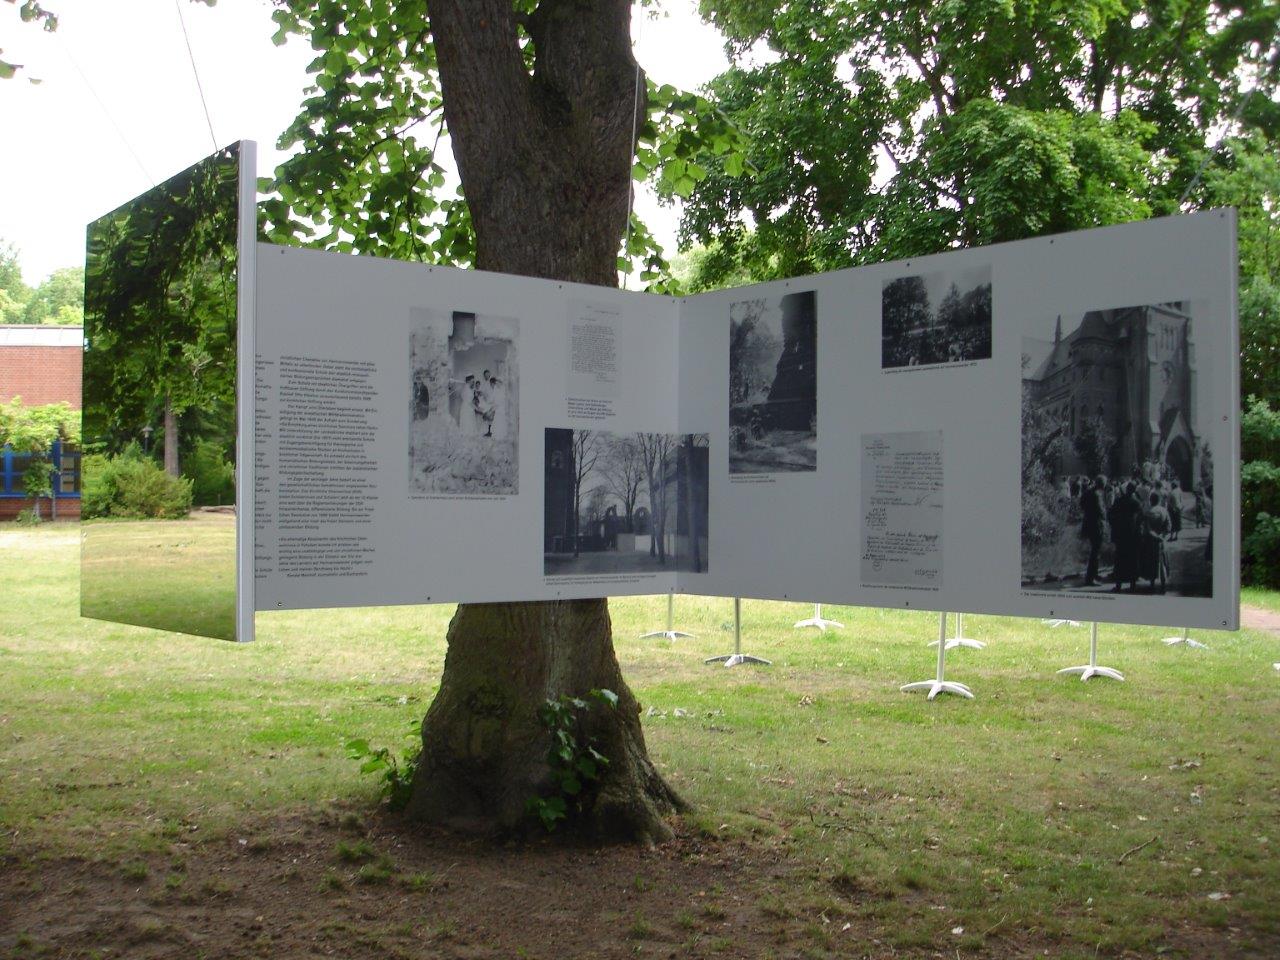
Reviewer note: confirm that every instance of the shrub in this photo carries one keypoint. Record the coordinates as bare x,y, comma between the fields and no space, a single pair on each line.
96,486
27,518
132,486
213,478
1261,551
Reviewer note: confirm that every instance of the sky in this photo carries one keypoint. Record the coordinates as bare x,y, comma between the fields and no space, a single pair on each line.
118,109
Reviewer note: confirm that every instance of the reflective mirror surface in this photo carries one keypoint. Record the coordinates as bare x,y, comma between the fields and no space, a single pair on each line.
158,544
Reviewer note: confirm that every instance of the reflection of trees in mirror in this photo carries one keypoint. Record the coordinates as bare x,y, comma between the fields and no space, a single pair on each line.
160,319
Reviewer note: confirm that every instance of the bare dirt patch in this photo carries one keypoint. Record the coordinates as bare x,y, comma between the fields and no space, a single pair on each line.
348,885
343,885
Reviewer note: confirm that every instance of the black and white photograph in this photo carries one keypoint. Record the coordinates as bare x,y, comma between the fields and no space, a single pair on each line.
624,503
1117,473
465,409
773,384
936,318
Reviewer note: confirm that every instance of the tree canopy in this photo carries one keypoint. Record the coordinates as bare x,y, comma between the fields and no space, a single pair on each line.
29,429
160,305
368,177
58,300
882,131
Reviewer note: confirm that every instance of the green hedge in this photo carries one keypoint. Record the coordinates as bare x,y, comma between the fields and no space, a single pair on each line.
131,486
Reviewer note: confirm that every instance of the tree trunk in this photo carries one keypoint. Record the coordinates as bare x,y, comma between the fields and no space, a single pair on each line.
691,528
577,512
545,162
170,440
484,751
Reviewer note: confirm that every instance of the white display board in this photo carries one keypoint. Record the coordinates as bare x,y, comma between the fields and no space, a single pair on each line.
382,479
910,434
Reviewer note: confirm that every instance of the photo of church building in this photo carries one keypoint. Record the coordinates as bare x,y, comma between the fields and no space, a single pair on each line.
1110,414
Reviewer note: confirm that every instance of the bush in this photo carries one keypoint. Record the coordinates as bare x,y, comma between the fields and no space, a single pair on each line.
27,518
1260,493
96,486
213,478
131,486
1261,551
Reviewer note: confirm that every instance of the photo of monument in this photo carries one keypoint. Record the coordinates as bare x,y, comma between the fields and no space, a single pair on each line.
464,405
936,318
773,384
1117,476
624,503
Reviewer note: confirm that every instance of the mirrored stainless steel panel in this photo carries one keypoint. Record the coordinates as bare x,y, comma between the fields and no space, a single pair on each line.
158,545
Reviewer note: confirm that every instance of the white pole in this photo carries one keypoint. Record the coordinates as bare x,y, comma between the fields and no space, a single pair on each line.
671,633
942,647
737,657
940,683
1091,669
737,627
1185,640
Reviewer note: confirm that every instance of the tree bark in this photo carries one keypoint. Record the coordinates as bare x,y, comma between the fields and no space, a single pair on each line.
545,162
171,466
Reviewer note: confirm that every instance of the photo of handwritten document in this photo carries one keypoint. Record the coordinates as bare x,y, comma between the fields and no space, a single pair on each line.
902,509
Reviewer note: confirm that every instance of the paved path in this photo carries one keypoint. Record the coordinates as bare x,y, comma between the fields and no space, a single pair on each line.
1257,618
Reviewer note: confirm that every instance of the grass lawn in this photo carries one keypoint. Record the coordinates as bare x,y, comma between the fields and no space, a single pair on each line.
166,574
168,781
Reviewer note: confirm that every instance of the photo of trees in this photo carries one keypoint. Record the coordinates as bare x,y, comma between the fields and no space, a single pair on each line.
773,384
934,318
625,503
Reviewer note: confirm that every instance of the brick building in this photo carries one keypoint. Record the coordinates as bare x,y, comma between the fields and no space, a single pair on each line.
41,364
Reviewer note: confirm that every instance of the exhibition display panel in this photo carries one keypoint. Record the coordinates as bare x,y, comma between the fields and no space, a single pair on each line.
1045,428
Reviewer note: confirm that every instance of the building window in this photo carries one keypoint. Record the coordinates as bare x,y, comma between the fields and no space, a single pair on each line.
17,473
69,472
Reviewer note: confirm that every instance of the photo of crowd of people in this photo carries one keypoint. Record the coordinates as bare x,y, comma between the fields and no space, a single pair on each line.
1134,522
933,318
1117,485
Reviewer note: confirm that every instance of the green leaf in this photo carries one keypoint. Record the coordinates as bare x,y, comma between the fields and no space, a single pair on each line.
607,696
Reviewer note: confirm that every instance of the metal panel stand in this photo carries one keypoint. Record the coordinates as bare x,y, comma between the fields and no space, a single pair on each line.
1185,638
817,621
940,683
959,640
737,657
1091,669
670,633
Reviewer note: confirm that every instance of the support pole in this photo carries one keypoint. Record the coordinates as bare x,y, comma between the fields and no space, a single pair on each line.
940,683
737,657
1185,639
671,633
1091,669
960,640
817,621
